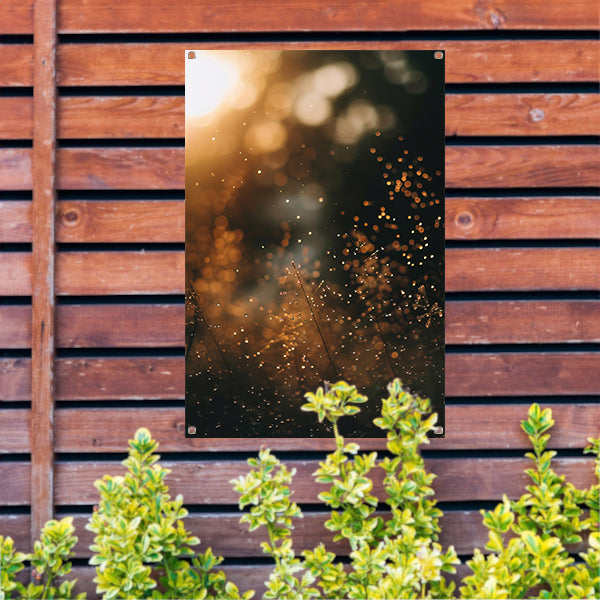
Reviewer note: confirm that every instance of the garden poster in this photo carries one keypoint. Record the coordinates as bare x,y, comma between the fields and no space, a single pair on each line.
314,235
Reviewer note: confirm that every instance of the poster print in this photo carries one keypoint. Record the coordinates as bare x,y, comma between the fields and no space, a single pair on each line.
314,234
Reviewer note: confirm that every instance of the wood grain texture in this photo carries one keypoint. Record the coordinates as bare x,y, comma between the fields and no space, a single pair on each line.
522,114
16,274
16,118
43,265
531,374
16,16
15,379
120,168
522,218
84,326
111,117
107,273
15,166
466,61
522,322
121,117
374,15
15,221
121,221
467,427
163,168
223,532
160,325
15,436
522,166
16,65
114,378
208,482
163,220
466,167
15,326
467,375
16,480
247,576
140,326
161,272
522,269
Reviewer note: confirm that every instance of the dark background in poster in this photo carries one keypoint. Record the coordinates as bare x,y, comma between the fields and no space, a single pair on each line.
314,239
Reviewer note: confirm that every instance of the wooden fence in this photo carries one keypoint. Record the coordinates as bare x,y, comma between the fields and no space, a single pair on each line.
92,261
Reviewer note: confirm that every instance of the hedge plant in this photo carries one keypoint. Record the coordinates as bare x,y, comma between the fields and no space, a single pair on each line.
526,554
141,548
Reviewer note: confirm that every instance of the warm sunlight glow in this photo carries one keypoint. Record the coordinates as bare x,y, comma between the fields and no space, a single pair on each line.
208,82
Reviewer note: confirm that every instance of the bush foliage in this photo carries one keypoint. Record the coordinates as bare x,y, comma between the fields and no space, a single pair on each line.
141,548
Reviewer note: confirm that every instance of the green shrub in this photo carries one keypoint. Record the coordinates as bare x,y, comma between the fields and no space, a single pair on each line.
49,561
401,558
541,523
141,548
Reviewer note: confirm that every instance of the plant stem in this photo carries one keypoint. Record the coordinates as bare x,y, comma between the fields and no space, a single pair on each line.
315,320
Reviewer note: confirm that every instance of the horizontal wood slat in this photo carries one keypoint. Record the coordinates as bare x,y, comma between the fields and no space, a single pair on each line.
376,15
229,538
16,65
98,221
15,426
163,168
113,117
140,326
83,273
163,220
160,325
244,576
466,61
157,272
84,326
121,117
522,218
16,16
522,166
121,221
522,269
16,118
208,482
298,15
522,114
522,322
467,374
120,168
15,166
15,221
513,374
466,167
467,427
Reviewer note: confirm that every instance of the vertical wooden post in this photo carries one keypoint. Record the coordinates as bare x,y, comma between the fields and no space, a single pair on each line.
43,301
